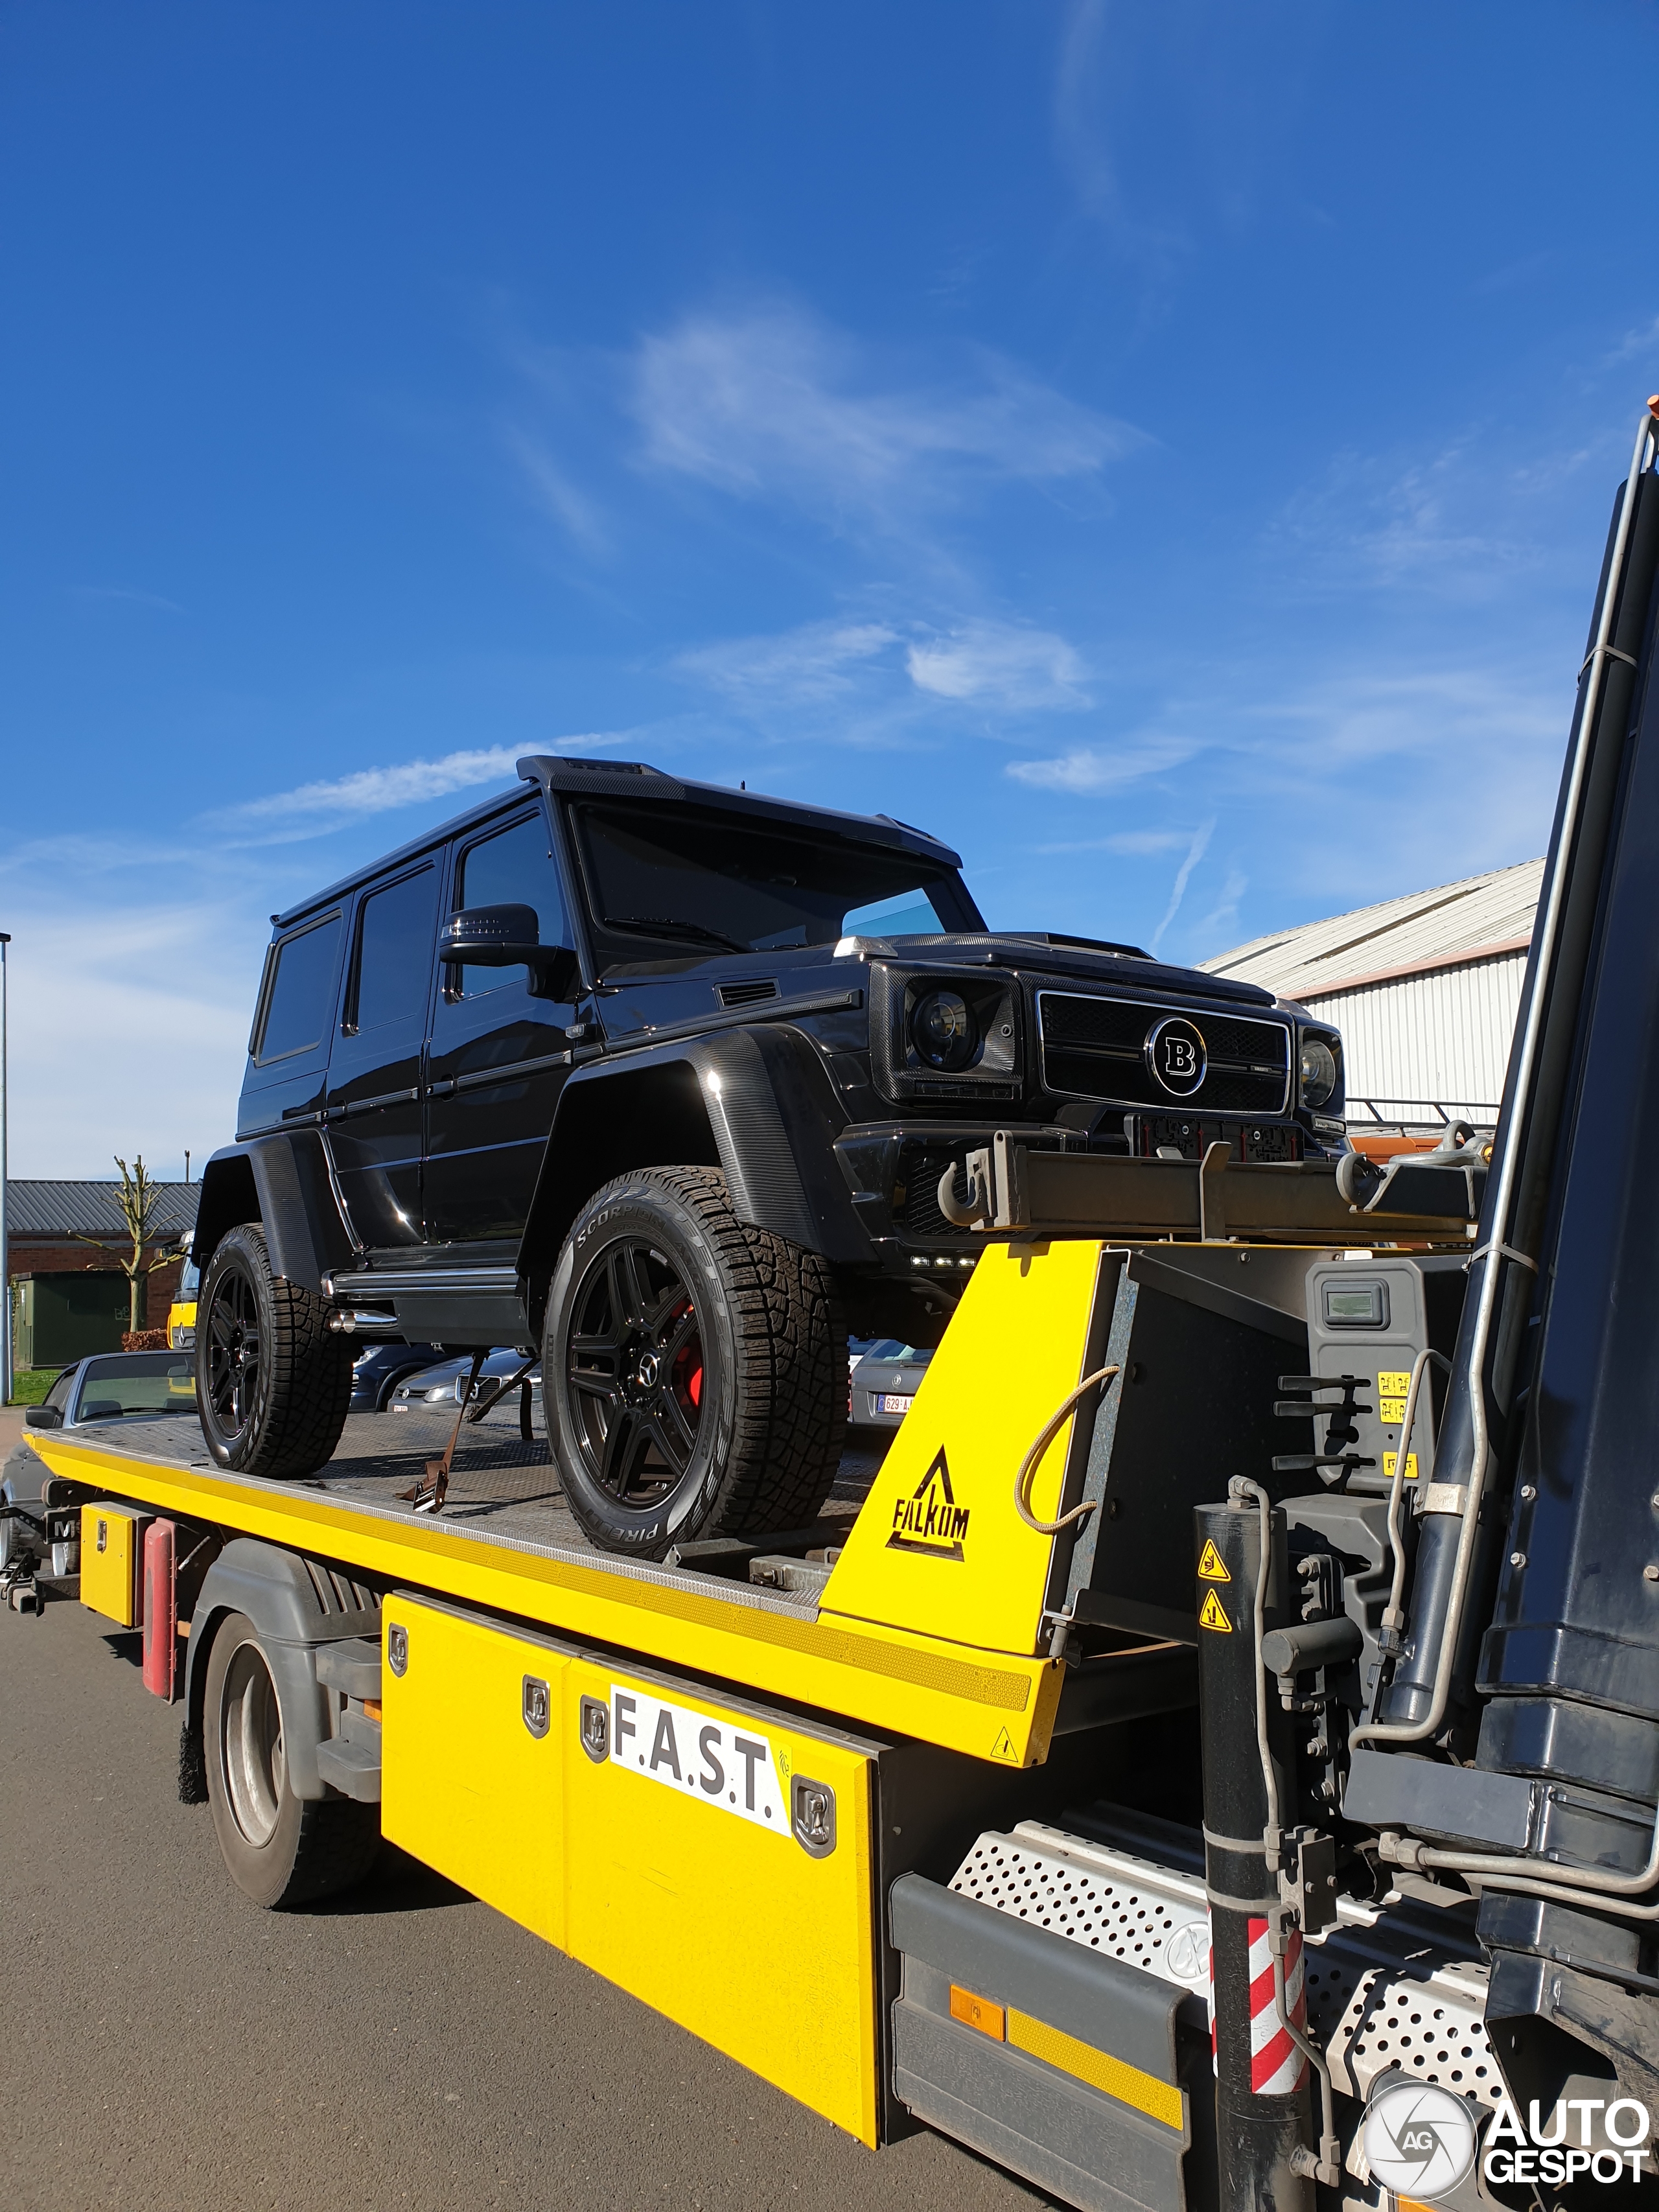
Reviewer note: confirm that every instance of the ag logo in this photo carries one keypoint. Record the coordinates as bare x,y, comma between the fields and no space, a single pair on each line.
1419,2140
931,1522
1175,1053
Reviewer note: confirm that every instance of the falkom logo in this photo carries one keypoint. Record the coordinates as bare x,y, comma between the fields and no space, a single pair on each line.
931,1522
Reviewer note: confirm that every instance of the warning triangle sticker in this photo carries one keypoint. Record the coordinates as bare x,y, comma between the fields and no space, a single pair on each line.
1211,1615
1210,1566
1003,1747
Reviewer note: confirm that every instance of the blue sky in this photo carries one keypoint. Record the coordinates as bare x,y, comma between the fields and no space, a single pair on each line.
1165,450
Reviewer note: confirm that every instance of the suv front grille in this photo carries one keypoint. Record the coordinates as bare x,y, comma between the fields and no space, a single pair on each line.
1096,1048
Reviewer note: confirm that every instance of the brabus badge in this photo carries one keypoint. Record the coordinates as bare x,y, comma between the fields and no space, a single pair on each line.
1175,1055
931,1522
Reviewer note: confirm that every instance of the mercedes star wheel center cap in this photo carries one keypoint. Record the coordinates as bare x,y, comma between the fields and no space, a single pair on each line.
646,1373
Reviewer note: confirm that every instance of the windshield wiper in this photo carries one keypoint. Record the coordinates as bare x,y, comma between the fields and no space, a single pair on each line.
656,925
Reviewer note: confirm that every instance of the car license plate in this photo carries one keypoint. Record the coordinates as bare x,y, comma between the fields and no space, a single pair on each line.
892,1403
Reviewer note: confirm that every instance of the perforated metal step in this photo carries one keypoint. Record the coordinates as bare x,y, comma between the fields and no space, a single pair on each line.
1376,1998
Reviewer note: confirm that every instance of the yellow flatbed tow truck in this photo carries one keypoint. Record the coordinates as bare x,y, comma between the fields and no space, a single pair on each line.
1184,1821
827,1732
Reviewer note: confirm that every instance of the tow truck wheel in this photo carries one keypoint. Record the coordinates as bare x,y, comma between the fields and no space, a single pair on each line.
281,1849
273,1383
694,1368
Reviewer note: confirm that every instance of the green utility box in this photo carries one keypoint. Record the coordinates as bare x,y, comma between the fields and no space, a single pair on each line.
59,1318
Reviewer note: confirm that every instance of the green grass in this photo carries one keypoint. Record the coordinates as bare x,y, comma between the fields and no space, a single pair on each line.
29,1385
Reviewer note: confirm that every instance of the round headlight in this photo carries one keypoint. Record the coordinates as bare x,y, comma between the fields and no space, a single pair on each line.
1318,1071
944,1031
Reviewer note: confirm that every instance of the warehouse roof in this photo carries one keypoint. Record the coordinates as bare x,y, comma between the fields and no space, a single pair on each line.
1448,927
90,1209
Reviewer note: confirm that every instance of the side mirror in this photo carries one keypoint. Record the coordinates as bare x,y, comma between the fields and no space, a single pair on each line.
44,1417
507,936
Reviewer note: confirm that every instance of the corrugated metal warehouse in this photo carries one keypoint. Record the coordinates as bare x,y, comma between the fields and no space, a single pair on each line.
1424,989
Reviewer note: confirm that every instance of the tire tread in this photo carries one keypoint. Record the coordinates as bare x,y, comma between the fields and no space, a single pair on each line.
306,1391
791,1385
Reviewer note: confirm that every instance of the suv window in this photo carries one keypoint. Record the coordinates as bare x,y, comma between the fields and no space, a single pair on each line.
694,878
512,868
395,932
59,1393
301,996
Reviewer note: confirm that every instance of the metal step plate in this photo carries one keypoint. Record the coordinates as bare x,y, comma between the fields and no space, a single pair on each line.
1376,1998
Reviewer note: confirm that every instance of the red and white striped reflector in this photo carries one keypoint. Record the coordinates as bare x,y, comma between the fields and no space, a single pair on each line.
1277,2066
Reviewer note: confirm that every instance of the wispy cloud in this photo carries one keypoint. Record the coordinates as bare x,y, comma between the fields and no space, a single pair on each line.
909,670
551,489
1195,852
311,810
1219,927
818,663
1083,75
1092,769
1446,521
1642,345
164,986
1131,844
999,663
774,404
126,592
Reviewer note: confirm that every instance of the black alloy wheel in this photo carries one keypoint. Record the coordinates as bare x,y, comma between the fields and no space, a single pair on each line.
694,1368
233,1377
635,1371
273,1381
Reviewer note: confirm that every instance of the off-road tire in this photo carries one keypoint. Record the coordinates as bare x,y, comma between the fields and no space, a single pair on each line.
772,1413
286,1421
306,1848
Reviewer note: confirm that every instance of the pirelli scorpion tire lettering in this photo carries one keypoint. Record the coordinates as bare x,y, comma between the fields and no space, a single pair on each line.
694,1369
281,1851
273,1385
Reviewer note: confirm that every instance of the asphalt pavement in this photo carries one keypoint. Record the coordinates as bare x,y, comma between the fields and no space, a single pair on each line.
165,2044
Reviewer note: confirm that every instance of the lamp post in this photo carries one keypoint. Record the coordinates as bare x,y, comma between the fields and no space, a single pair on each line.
5,1248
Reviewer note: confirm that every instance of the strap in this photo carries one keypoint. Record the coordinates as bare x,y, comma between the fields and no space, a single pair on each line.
1612,654
1507,1251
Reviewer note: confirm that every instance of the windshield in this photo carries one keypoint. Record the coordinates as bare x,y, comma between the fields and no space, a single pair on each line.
694,880
190,1282
136,1382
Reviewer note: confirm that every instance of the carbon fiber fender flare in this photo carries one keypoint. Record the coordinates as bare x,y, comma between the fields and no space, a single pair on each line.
755,1101
285,1181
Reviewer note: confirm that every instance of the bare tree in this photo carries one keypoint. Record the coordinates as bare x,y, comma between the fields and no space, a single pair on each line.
140,1195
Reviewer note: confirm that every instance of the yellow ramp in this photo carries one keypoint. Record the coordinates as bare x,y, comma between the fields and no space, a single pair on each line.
940,1548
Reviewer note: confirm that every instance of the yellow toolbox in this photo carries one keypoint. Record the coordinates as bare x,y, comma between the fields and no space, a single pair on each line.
113,1561
649,1828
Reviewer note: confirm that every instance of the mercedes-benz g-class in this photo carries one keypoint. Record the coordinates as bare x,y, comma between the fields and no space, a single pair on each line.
672,1085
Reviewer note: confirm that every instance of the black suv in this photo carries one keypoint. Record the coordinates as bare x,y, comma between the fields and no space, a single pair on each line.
674,1085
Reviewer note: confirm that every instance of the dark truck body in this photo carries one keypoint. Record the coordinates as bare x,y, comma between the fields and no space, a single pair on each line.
422,1169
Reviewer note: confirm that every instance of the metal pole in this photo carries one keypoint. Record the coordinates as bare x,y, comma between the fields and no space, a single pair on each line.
6,1374
1262,2108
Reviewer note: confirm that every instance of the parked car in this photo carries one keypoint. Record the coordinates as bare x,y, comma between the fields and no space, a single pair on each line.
885,1381
181,1314
679,1084
106,1386
443,1383
378,1368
